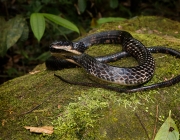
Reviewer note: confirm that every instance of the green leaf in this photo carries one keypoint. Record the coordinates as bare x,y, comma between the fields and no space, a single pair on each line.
16,27
25,33
12,71
168,130
3,33
44,56
82,5
37,22
11,31
114,3
61,21
109,19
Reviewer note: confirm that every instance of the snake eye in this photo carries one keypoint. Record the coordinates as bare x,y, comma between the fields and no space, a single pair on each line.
79,46
76,45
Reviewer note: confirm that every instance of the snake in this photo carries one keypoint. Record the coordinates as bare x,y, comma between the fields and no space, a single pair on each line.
74,52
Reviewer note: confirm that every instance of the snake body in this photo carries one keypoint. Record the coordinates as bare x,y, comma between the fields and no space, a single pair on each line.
131,76
124,76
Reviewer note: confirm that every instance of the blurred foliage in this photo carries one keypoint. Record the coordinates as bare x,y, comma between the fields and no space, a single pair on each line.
21,51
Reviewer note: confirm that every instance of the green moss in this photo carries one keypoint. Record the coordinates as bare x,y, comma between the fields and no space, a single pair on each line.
79,119
85,117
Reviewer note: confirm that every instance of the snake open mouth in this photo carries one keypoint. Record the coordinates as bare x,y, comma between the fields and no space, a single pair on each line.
63,48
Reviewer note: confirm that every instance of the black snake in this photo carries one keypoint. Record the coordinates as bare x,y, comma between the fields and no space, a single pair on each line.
131,76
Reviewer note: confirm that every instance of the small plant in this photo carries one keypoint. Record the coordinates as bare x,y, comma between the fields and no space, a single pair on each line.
37,21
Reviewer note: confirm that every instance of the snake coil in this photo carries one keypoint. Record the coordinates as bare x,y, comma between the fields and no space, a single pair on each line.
131,76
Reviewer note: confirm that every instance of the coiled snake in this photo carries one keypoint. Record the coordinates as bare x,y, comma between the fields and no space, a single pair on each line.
130,76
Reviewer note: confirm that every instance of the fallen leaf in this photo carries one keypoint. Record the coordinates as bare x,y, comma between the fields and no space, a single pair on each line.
43,129
34,72
168,130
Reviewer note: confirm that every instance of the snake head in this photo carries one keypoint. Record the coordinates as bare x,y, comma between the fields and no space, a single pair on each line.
63,49
60,46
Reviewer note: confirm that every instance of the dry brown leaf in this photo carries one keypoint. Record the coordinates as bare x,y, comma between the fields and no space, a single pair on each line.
43,129
34,72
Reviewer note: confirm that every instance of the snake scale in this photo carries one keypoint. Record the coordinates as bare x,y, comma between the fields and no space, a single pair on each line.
130,76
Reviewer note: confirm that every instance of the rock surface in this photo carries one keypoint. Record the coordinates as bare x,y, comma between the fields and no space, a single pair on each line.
75,112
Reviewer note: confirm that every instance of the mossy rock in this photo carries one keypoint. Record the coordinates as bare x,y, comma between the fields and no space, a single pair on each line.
75,112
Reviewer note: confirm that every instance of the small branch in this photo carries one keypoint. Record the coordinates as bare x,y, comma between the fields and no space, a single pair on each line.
36,106
142,125
156,121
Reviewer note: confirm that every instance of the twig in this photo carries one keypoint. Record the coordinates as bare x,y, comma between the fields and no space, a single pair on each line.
142,126
154,131
36,106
